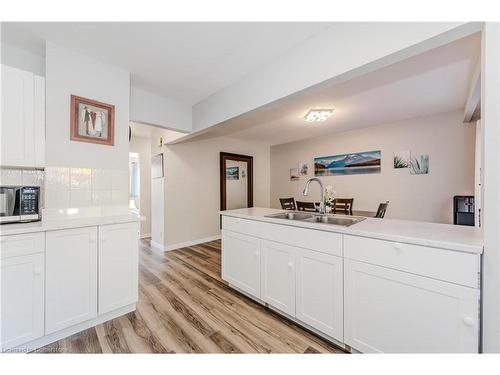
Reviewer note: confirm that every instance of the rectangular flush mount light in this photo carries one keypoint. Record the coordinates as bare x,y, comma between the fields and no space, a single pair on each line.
318,115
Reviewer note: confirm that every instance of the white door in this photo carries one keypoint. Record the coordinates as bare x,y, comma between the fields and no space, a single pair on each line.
22,299
320,300
71,277
118,266
278,276
241,262
396,312
18,146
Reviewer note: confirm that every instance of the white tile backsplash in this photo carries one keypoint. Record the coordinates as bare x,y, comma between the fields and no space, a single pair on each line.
101,197
11,177
101,179
57,178
119,179
86,188
80,178
80,198
57,198
32,177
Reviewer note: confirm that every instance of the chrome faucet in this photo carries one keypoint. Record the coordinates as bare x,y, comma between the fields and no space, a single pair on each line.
306,190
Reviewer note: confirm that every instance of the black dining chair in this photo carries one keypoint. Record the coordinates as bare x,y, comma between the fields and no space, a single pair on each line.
382,208
306,206
287,203
343,205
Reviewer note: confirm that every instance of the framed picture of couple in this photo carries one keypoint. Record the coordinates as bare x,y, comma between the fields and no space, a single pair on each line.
92,121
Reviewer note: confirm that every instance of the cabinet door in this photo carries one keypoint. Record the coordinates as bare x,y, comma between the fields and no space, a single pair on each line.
320,300
241,262
118,266
39,121
71,280
278,276
17,118
395,312
22,299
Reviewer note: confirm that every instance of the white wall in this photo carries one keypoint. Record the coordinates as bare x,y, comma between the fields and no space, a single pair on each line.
192,184
22,59
69,73
153,109
142,146
490,121
332,54
450,146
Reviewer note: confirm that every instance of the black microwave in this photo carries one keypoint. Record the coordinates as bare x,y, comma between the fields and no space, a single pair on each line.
19,204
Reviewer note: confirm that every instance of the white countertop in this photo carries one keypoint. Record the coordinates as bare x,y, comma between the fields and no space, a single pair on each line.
66,223
444,236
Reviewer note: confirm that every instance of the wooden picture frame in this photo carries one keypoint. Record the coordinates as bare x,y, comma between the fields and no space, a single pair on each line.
95,125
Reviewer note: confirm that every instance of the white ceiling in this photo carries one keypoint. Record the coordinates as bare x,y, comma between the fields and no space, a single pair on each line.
434,82
184,61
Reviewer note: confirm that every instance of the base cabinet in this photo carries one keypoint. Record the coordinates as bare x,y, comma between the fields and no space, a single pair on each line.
241,262
71,277
320,292
22,299
278,276
118,266
388,311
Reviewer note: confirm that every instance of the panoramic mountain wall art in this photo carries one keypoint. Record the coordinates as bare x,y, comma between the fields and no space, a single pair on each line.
348,164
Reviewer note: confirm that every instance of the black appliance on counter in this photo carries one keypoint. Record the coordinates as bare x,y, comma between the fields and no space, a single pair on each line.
463,210
19,204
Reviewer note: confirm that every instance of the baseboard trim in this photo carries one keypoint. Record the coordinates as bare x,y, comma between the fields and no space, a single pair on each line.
191,243
157,247
53,337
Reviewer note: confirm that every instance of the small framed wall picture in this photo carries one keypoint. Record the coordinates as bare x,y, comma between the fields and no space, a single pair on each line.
92,121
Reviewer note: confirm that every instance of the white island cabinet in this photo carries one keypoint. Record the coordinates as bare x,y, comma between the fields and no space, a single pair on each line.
402,298
379,286
241,262
272,264
62,277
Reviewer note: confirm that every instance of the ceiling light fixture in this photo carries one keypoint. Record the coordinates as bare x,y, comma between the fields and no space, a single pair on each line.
317,115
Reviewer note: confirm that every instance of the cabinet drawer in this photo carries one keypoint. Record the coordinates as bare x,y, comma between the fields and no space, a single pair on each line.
22,244
325,242
446,265
234,224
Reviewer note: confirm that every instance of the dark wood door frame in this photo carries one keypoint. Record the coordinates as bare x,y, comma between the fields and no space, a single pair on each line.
229,156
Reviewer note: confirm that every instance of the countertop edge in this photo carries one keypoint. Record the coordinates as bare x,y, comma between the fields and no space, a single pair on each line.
51,225
452,246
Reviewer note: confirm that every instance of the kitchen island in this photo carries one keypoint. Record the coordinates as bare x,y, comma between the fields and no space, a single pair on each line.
379,285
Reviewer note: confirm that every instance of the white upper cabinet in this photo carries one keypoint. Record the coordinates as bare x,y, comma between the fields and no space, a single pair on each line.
278,276
71,277
241,262
388,311
23,118
320,302
118,266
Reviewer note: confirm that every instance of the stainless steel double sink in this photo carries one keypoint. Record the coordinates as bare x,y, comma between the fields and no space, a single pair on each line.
344,221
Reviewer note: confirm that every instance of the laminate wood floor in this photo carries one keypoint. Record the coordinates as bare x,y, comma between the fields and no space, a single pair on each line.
185,307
